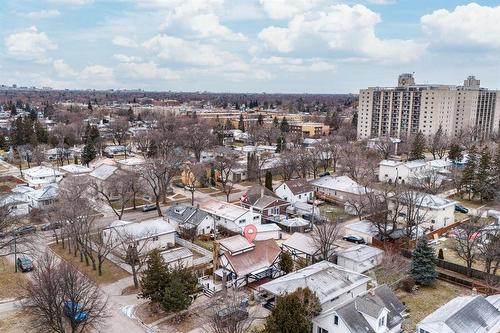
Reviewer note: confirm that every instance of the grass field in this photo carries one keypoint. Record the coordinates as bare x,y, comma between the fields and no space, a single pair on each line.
110,272
426,300
11,283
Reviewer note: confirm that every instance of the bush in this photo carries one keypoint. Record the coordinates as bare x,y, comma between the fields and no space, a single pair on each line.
408,284
441,254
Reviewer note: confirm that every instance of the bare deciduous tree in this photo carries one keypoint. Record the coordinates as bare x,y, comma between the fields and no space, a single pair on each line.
465,245
324,236
116,192
58,294
224,166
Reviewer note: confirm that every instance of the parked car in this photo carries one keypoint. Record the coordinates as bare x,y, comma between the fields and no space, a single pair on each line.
148,208
178,184
24,264
27,229
461,209
51,226
354,239
326,173
73,311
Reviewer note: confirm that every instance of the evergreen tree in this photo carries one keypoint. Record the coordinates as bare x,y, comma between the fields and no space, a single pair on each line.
418,147
469,172
42,136
88,153
154,277
288,316
275,122
286,262
280,144
496,167
260,120
228,125
241,123
269,180
175,298
89,106
455,153
423,263
485,182
284,125
354,121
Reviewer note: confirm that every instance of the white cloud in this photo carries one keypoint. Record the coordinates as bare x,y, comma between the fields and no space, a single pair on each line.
41,14
188,52
63,70
298,65
342,27
208,25
148,71
29,45
72,2
126,58
124,41
283,9
471,23
97,73
382,2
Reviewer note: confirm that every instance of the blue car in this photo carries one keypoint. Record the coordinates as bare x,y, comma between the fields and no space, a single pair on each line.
461,209
73,311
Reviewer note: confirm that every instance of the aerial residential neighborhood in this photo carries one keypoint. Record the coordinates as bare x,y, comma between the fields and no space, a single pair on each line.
249,166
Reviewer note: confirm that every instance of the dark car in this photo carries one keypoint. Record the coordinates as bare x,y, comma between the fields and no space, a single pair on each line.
354,239
461,209
73,311
179,184
51,226
323,174
27,229
148,208
24,264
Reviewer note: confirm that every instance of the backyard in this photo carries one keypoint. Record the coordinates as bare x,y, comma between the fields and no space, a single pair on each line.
110,271
426,300
11,283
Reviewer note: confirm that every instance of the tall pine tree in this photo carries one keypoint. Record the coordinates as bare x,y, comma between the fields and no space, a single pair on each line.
241,123
154,278
455,153
88,153
469,173
423,263
418,147
269,180
485,182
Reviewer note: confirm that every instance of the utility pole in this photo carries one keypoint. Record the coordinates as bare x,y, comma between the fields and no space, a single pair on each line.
15,252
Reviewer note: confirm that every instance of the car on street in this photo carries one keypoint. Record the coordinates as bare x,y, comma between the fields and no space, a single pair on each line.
74,312
24,230
51,226
323,174
354,239
24,264
148,208
461,209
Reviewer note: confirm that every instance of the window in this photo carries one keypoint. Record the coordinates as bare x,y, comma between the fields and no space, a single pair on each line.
322,330
155,238
381,322
242,221
423,331
336,320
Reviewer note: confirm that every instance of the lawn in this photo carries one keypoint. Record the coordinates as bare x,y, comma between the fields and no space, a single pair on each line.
130,204
110,271
388,277
333,212
11,283
468,203
426,300
16,322
207,245
207,190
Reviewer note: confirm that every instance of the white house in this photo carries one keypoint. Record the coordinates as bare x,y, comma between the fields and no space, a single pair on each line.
332,284
375,311
403,172
40,176
75,169
433,212
464,314
360,258
186,217
268,231
43,197
158,233
229,216
295,190
341,190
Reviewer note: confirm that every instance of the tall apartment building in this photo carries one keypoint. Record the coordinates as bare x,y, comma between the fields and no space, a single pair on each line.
409,108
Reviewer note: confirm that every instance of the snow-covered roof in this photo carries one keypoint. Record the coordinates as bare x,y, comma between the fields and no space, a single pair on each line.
104,171
75,168
427,200
267,227
340,183
235,244
328,280
139,230
41,172
223,209
302,243
46,193
360,253
365,227
131,161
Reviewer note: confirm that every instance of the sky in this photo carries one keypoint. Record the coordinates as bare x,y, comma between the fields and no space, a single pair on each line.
273,46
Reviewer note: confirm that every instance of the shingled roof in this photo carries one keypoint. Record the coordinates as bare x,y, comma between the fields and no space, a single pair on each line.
298,186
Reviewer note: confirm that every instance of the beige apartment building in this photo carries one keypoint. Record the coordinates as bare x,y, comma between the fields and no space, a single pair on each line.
408,108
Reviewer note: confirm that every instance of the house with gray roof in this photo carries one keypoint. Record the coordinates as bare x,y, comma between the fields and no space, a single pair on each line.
263,201
375,311
464,314
295,190
360,258
186,218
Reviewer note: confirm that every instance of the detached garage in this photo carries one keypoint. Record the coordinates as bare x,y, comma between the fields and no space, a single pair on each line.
360,258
